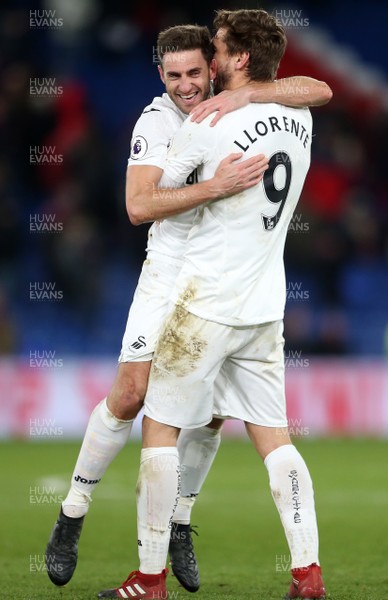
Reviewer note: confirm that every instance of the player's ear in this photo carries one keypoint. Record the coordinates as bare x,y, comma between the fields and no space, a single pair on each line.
213,69
242,60
160,69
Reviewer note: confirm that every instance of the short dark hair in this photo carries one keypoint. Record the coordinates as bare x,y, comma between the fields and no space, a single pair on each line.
185,37
256,32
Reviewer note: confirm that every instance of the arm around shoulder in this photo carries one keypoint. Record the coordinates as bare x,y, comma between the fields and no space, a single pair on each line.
298,91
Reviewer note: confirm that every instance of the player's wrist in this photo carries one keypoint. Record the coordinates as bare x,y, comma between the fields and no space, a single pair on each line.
214,189
264,92
253,94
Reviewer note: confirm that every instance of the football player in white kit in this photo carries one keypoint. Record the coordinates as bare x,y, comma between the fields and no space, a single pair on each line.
227,312
187,82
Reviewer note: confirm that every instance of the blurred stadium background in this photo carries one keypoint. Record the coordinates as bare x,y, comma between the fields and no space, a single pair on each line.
75,75
74,78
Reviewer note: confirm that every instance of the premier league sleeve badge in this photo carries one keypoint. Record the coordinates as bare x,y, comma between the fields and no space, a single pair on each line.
139,147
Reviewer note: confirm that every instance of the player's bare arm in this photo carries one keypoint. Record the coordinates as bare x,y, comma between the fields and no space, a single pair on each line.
146,202
296,91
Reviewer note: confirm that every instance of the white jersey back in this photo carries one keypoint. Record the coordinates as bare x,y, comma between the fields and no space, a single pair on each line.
233,271
151,137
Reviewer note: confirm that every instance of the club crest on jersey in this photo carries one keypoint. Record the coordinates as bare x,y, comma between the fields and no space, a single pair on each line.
137,344
139,147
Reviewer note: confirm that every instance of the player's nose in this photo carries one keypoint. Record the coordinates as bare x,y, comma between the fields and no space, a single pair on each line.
185,86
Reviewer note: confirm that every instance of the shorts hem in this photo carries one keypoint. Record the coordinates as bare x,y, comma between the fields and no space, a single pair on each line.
180,426
249,419
143,358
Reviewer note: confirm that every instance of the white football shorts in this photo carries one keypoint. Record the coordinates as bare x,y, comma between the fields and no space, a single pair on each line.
149,308
196,361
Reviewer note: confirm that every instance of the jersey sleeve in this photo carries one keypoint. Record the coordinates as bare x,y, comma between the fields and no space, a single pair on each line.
150,139
190,147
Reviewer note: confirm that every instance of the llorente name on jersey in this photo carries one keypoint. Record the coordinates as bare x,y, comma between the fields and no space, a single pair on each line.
270,125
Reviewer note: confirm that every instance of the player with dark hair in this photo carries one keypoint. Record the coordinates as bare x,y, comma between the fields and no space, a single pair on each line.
186,68
227,309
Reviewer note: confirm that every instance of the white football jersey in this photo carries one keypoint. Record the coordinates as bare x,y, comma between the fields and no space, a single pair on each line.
233,271
150,140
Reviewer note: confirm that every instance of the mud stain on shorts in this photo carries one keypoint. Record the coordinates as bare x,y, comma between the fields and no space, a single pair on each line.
180,347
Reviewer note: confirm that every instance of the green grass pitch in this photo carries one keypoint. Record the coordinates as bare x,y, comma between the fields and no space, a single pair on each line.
241,548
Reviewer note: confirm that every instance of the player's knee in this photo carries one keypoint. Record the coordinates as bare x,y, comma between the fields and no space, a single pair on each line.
126,399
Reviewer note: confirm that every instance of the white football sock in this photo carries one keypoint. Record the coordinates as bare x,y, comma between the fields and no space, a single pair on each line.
157,493
292,491
105,436
197,449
